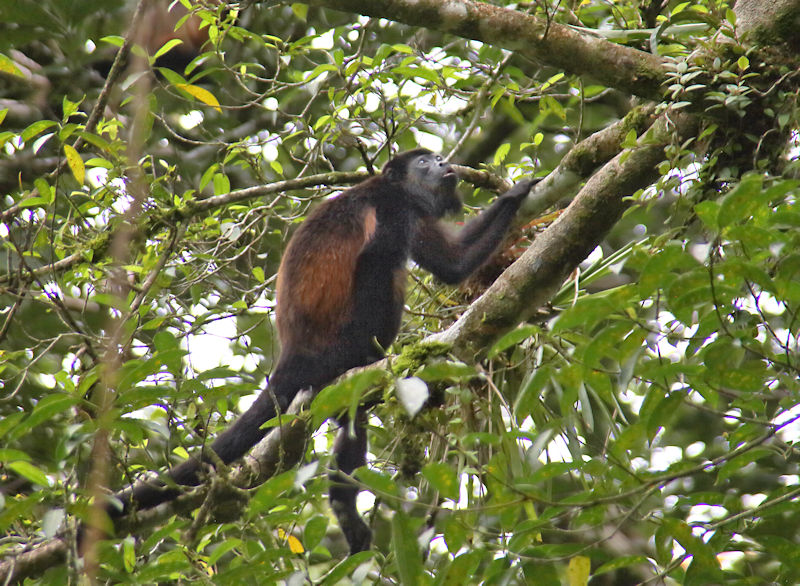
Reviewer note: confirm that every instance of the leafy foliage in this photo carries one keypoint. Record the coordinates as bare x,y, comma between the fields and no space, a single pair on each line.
642,426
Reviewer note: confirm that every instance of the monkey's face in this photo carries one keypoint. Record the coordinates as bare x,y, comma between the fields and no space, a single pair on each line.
432,181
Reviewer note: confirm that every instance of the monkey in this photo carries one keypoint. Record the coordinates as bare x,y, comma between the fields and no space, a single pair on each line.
340,296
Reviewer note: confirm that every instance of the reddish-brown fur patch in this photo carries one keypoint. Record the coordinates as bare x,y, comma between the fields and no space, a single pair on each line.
399,283
370,224
315,284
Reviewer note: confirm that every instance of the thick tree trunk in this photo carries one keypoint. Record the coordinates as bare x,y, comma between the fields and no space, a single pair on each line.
769,22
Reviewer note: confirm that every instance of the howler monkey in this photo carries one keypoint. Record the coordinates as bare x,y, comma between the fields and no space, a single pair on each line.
340,293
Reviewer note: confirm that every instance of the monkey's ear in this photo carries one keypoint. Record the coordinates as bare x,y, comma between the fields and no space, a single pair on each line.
392,172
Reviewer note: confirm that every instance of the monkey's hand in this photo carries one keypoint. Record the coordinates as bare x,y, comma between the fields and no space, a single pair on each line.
520,190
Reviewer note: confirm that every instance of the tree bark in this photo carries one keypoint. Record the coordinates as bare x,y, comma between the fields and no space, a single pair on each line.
769,22
532,280
629,70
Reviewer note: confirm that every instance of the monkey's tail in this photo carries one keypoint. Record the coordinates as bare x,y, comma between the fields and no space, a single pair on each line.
293,372
229,446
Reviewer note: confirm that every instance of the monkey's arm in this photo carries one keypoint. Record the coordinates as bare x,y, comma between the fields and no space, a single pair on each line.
453,259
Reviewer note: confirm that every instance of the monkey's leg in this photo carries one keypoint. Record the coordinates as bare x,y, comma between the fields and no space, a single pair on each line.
350,452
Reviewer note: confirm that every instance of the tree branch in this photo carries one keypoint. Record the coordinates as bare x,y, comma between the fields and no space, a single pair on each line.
541,270
617,66
278,451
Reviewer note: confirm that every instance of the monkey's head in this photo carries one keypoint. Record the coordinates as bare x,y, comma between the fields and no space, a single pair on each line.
428,180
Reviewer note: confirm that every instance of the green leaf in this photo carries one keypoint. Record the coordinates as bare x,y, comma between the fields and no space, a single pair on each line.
663,412
630,140
672,257
589,310
345,568
743,63
464,566
554,106
129,553
10,455
708,212
222,184
682,533
200,94
165,48
8,66
165,340
410,72
559,550
300,11
548,472
75,163
207,175
737,464
6,136
501,153
319,70
164,569
10,421
380,484
578,571
48,407
447,370
314,531
34,202
31,472
268,493
115,40
552,80
222,548
786,551
110,301
407,555
95,140
442,478
336,398
455,533
36,129
621,562
742,201
606,344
